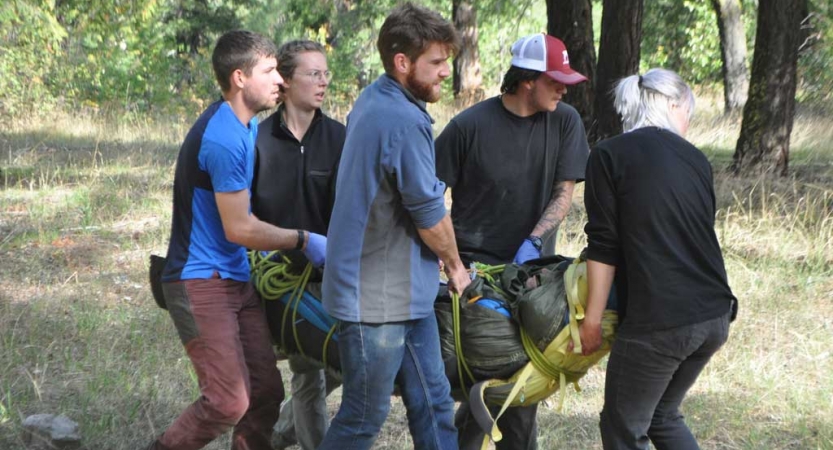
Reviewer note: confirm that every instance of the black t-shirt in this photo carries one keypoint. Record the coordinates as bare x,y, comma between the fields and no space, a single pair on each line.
294,182
501,170
650,205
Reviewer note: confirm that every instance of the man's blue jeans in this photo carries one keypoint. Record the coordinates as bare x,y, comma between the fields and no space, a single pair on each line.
647,378
374,357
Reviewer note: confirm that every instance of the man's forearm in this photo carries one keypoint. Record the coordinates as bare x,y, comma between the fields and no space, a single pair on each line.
244,228
440,239
557,209
259,235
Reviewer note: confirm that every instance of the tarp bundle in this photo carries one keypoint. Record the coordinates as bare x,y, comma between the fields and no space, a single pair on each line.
513,358
491,342
551,369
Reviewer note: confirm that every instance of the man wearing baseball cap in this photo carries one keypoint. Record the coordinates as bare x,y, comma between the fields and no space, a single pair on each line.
511,163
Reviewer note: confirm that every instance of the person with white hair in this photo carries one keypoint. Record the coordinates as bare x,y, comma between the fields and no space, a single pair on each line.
651,208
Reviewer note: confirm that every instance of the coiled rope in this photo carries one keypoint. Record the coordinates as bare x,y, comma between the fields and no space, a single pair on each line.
273,279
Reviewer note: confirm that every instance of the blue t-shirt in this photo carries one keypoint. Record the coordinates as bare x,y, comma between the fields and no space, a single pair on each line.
217,156
378,268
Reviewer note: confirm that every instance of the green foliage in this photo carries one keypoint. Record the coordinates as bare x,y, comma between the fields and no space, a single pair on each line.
347,30
350,34
815,64
682,36
501,24
108,42
139,55
154,55
30,39
112,54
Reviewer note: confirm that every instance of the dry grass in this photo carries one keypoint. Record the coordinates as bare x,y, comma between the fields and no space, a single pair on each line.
85,200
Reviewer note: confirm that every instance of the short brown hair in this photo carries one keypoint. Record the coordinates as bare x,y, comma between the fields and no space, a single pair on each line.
239,49
410,30
288,55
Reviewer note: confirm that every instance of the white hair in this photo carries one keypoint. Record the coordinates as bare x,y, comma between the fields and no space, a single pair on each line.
646,100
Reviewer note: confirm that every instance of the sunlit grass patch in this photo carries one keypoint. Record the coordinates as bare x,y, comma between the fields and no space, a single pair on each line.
84,202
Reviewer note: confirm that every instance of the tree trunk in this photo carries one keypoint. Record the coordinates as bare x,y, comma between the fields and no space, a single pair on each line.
191,37
572,22
467,79
618,58
733,51
764,142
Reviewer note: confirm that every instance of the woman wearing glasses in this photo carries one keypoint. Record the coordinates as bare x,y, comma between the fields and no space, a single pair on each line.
298,149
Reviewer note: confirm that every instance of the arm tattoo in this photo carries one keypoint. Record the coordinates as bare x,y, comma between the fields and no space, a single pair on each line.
557,209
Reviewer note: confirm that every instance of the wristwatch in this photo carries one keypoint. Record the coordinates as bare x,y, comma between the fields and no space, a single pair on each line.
536,242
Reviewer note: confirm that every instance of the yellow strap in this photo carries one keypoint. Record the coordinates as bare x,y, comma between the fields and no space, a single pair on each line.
562,381
517,388
581,287
571,286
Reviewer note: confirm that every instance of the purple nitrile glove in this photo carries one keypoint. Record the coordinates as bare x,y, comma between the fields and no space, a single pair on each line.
526,252
316,249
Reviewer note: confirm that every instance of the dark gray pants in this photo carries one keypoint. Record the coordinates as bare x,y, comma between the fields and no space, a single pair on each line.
647,378
519,426
304,420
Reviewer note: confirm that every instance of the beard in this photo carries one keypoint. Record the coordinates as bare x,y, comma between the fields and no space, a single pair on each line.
258,102
420,90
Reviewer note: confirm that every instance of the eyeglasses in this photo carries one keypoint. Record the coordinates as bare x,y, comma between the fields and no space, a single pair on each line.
319,76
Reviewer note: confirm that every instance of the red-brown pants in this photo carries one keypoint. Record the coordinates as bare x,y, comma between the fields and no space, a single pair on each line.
224,330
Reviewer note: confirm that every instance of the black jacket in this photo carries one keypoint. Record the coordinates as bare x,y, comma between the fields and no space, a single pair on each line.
651,211
294,182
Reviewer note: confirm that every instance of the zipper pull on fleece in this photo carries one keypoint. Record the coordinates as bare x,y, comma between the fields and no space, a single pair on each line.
302,149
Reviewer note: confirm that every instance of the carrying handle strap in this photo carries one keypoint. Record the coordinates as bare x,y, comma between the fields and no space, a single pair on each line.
480,411
575,275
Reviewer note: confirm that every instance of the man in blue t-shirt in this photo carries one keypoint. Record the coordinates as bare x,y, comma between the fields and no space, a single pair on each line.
389,227
216,311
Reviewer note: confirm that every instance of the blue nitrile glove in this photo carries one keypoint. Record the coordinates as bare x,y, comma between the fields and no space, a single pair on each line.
526,252
316,249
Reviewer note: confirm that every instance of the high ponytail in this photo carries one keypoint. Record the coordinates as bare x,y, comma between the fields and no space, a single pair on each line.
628,101
647,100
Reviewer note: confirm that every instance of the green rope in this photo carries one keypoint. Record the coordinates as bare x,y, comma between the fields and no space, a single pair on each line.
327,344
298,295
540,361
458,347
273,280
487,272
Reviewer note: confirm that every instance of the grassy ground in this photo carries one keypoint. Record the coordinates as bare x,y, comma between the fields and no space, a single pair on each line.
84,201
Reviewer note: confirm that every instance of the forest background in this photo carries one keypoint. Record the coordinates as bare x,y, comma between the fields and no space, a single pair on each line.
153,56
95,98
